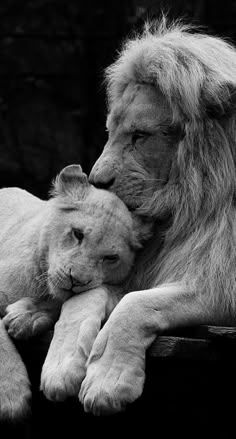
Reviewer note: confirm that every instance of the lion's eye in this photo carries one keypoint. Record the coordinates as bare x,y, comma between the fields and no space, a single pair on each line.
79,235
165,132
111,258
138,135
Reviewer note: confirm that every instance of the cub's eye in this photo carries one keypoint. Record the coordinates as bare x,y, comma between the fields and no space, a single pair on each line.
111,258
138,135
79,235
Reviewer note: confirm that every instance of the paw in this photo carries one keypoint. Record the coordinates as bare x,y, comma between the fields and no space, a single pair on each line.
114,378
23,319
65,365
63,379
109,390
15,395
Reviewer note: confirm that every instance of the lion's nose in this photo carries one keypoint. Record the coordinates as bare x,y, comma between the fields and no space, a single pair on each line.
101,180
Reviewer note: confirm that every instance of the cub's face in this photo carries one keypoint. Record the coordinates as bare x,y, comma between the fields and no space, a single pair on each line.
90,244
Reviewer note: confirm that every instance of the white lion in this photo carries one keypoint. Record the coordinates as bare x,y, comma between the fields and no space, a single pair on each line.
80,239
171,155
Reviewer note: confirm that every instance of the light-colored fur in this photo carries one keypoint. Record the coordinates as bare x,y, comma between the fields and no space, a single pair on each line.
80,239
196,74
170,156
39,253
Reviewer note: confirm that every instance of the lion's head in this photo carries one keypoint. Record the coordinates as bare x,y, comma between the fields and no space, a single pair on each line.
170,95
171,147
91,236
138,157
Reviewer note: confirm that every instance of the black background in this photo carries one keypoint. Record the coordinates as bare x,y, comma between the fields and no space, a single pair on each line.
52,113
52,58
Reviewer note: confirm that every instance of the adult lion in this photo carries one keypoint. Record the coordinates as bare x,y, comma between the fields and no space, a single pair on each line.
171,156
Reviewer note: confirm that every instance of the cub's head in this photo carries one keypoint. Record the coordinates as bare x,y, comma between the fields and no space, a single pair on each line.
91,236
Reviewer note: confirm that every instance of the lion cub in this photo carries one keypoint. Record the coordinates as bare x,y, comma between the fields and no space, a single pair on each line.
79,239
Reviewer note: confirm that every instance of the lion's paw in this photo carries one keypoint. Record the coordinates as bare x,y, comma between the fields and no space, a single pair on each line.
15,396
62,380
108,390
115,375
23,321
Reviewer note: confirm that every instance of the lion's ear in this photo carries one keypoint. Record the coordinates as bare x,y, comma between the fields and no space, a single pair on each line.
219,102
71,180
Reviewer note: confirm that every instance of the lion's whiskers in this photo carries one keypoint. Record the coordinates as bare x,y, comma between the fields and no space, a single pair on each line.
42,284
57,280
155,179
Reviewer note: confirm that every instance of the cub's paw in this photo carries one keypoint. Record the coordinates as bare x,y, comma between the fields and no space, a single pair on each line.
65,365
24,319
114,378
60,380
15,396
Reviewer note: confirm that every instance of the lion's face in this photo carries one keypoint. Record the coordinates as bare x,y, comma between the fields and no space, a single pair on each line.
90,244
142,142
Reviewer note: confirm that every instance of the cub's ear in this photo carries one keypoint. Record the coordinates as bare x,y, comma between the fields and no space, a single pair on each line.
71,181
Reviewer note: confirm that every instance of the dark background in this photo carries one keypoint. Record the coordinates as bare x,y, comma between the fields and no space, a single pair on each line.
52,57
52,113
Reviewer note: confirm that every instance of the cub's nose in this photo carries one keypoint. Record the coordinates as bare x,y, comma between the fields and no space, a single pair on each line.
79,282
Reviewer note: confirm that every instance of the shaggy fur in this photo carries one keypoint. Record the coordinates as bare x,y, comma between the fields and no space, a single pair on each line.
197,75
185,275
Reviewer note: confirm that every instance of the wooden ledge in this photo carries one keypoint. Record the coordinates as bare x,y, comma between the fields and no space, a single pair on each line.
197,343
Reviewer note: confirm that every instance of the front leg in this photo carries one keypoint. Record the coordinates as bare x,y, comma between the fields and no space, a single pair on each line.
15,394
116,366
79,323
29,317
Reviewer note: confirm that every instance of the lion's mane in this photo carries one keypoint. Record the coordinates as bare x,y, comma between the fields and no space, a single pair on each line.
197,75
